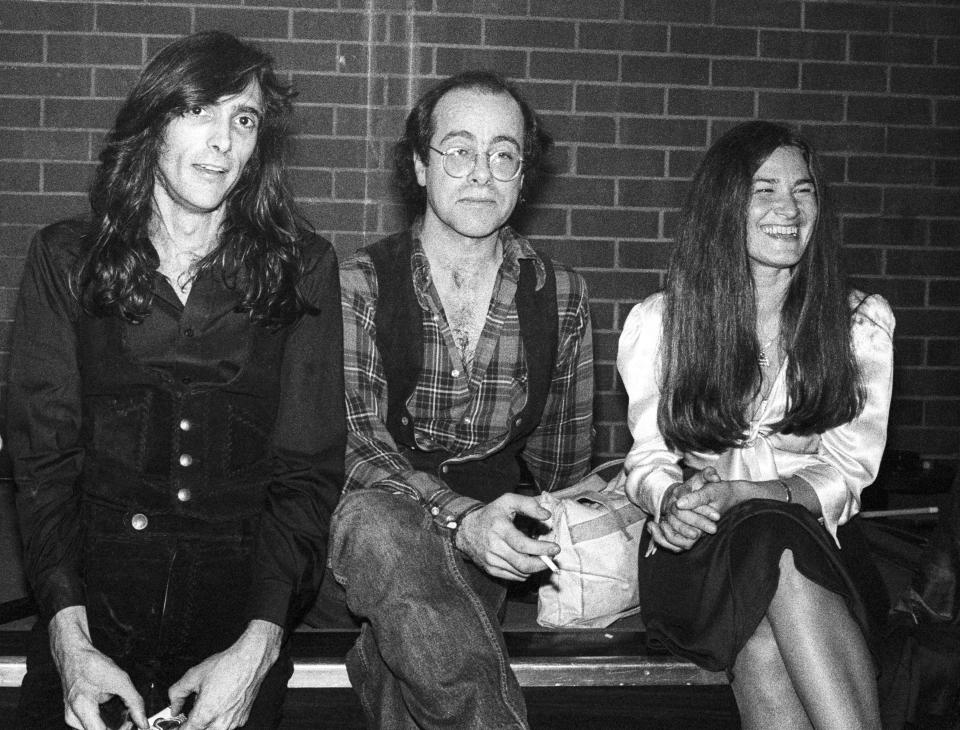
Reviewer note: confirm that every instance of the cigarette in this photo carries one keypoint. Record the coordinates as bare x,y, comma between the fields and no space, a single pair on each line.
548,561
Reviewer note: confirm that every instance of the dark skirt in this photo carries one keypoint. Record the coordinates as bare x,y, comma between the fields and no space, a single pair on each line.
704,604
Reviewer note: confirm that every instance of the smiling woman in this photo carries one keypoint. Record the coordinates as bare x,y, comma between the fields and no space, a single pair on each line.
759,389
782,212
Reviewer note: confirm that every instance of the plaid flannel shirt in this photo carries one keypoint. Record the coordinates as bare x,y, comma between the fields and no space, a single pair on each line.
466,413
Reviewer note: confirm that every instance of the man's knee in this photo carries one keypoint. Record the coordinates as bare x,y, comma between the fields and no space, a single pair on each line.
373,530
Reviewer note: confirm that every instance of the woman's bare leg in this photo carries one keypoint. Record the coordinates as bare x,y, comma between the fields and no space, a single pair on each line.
762,687
824,653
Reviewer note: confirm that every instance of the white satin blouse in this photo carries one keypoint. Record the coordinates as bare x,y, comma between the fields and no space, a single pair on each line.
838,464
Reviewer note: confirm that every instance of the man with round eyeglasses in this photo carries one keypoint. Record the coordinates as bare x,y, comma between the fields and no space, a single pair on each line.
469,379
505,164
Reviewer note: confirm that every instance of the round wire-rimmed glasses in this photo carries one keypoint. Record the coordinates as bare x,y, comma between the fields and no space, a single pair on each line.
459,161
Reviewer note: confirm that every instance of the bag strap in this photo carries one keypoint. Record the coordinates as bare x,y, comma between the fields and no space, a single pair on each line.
618,517
605,469
596,481
613,509
617,520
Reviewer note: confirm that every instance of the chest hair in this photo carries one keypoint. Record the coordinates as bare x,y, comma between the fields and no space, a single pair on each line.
465,294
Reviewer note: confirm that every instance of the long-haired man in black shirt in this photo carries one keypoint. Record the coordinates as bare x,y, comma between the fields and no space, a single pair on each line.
176,415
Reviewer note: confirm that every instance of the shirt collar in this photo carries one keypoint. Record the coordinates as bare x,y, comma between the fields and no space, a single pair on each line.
515,248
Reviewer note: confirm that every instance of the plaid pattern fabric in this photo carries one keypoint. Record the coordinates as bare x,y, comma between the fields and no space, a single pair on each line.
466,413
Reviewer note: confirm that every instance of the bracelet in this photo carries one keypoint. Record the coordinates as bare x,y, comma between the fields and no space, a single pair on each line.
454,524
789,493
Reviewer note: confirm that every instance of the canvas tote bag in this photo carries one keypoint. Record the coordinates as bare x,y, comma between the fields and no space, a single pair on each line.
598,530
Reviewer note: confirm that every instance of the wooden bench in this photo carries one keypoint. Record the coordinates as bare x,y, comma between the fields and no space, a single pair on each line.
612,657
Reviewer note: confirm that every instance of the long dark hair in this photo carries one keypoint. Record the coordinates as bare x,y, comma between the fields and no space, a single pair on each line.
258,253
421,125
710,368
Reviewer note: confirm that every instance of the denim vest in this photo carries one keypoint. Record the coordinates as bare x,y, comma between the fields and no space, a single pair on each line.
398,321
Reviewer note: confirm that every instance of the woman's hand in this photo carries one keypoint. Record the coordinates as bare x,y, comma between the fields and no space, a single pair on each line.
680,526
721,496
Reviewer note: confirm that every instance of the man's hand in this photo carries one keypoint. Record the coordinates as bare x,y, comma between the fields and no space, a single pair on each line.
227,683
491,540
88,676
682,523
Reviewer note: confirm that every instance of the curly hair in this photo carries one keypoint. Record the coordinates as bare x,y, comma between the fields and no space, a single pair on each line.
258,251
710,350
421,125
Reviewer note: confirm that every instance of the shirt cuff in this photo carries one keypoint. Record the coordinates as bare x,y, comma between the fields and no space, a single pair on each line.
449,508
270,601
58,591
445,506
657,485
835,503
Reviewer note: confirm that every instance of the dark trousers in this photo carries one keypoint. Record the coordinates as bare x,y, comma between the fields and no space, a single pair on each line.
159,601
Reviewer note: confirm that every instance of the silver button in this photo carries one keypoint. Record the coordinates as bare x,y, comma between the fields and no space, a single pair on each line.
185,425
186,460
517,421
184,495
404,420
139,521
466,419
455,373
452,525
434,511
445,469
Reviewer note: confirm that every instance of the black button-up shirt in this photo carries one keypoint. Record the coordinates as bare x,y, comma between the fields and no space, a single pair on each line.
197,365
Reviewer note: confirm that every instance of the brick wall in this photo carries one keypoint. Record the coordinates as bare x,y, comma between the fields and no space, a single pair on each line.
633,90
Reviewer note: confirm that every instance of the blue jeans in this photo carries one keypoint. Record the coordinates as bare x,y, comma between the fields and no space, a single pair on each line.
431,652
